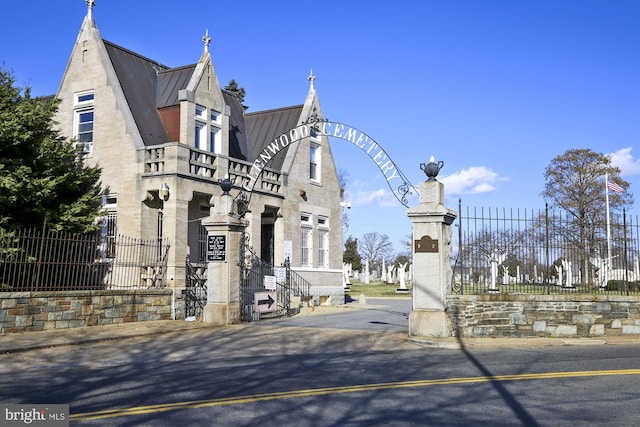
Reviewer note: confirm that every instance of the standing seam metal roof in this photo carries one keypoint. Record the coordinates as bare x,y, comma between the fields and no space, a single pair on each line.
265,126
138,78
149,85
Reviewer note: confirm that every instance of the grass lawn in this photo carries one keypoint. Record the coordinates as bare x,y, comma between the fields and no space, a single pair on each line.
375,289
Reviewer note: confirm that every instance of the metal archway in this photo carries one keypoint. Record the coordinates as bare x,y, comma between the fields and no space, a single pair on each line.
316,125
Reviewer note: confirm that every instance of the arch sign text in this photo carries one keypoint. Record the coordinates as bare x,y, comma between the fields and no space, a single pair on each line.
315,125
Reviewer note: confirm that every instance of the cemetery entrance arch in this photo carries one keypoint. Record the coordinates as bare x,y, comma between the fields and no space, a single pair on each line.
316,125
253,269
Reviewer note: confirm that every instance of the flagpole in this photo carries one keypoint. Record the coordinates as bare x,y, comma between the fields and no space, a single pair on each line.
606,192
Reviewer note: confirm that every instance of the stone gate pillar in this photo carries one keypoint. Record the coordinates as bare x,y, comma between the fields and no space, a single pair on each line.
223,273
432,271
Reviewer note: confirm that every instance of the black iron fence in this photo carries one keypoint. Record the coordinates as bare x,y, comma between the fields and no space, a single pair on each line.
37,260
545,251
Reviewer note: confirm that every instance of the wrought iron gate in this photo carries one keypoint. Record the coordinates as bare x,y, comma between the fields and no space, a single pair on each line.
291,289
195,293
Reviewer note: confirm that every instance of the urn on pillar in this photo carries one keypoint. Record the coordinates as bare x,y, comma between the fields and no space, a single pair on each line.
431,221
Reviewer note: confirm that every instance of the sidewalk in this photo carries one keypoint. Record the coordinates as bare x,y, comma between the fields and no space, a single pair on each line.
18,342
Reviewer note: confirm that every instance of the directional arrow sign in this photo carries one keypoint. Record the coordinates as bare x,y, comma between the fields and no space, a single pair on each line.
265,302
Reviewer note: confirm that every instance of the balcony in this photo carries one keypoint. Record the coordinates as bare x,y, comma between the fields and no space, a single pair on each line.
191,163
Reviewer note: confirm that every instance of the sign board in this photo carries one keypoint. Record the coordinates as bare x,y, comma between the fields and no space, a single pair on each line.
281,274
216,248
265,302
426,244
269,283
288,250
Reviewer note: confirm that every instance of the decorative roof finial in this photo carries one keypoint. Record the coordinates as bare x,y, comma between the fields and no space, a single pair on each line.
206,40
90,5
311,78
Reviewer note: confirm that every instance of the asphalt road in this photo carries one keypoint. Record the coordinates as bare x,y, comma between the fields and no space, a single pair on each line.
305,372
381,315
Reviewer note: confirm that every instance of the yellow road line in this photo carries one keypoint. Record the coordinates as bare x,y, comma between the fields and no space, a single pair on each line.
138,410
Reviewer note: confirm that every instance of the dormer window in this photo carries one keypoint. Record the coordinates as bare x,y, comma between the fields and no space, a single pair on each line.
208,135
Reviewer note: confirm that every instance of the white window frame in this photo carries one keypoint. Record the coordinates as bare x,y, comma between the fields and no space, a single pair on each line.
306,240
323,248
215,135
201,135
315,165
208,129
323,242
201,112
83,104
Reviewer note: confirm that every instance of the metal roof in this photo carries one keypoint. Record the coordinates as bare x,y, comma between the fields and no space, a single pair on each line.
264,126
149,85
237,132
138,78
170,82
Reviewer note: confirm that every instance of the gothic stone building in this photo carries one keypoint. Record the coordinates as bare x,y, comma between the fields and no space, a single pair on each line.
151,128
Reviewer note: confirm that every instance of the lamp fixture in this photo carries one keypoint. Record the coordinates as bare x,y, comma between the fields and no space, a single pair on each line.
164,191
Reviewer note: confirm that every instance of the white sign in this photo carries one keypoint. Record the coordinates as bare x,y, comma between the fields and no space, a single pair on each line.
288,250
270,283
281,274
265,302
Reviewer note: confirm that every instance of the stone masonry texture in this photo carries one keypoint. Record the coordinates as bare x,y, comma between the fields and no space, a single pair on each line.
37,311
543,315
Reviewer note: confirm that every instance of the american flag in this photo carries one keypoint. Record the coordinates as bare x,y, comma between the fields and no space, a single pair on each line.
614,187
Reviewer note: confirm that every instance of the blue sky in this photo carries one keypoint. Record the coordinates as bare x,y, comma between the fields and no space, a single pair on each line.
493,88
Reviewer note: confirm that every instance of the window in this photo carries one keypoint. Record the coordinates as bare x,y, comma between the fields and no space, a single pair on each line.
323,248
201,112
314,162
216,140
201,135
109,227
85,126
84,98
208,135
83,121
323,242
305,240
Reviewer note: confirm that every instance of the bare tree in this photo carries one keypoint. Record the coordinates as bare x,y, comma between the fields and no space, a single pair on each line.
374,247
574,182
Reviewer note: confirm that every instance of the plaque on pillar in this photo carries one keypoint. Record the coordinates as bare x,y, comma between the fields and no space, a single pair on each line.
426,244
216,248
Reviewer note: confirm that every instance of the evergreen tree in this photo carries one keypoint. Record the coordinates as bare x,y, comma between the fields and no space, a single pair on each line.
237,91
351,255
42,177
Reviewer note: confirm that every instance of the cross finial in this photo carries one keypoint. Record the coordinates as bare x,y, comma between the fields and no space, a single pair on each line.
90,5
206,40
311,79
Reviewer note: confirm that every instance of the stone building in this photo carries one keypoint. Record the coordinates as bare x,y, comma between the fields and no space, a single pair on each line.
165,137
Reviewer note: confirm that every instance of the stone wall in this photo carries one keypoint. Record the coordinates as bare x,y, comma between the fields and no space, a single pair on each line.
543,315
37,311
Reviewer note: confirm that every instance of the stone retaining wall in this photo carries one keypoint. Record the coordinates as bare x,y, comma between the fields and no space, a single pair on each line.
37,311
543,315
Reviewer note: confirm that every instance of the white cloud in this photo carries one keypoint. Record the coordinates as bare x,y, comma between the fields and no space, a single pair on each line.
474,180
624,160
380,198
